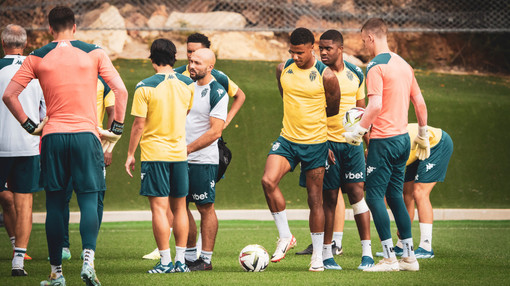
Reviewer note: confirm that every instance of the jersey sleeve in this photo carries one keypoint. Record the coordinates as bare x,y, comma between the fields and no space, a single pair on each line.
360,94
232,88
415,88
375,81
141,102
105,66
27,71
218,101
192,89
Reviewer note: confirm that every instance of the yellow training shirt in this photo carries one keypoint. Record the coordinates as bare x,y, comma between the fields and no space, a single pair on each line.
163,100
105,98
304,104
352,86
434,138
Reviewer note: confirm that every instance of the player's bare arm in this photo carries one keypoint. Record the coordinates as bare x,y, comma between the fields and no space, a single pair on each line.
12,102
209,136
239,99
279,70
136,134
332,92
420,109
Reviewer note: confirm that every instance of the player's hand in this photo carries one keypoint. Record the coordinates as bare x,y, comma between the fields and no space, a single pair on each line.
331,157
108,139
33,128
356,136
108,158
421,143
130,165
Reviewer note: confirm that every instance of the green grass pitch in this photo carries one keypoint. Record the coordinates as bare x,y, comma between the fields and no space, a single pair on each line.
467,253
472,109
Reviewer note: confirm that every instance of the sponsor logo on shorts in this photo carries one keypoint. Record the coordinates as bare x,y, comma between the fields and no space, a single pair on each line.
353,176
200,197
370,169
416,177
276,145
212,184
327,165
429,166
143,175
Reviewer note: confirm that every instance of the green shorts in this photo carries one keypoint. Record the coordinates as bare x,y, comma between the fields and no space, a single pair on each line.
22,174
432,169
349,167
311,156
72,155
202,183
386,164
164,179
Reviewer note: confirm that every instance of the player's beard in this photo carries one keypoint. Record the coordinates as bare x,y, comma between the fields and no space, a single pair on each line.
198,75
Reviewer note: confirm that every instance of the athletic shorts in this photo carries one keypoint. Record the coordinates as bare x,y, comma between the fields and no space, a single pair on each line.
72,155
164,179
349,167
386,164
21,172
311,156
202,183
433,169
69,194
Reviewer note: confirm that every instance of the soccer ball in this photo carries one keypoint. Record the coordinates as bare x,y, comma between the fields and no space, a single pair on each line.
352,118
254,258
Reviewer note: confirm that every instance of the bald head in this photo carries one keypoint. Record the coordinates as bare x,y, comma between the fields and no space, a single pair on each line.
201,64
14,37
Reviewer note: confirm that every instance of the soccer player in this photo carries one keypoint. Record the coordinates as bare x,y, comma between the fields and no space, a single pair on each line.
391,84
204,126
310,94
105,105
160,105
347,168
194,42
19,151
420,178
67,70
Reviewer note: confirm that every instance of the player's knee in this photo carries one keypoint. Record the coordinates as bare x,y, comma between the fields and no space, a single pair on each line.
268,184
360,207
206,209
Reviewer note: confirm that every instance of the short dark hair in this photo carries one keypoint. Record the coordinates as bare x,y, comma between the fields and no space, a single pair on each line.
163,52
334,36
199,38
61,18
301,36
375,25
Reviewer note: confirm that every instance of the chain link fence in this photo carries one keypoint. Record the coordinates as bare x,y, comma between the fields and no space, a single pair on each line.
267,15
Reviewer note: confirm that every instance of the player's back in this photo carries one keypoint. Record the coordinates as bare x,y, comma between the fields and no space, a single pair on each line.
163,100
392,77
67,71
304,103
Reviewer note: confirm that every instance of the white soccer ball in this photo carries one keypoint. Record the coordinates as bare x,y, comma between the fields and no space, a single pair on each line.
352,118
254,258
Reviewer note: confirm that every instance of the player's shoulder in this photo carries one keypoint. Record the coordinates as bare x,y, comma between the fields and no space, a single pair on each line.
44,50
320,66
221,78
6,62
86,47
181,69
217,89
152,81
380,59
183,78
355,69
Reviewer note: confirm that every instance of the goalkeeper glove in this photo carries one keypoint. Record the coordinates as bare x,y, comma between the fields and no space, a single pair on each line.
33,128
110,137
356,136
421,143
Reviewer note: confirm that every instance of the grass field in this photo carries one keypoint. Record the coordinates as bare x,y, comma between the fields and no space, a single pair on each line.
472,109
467,253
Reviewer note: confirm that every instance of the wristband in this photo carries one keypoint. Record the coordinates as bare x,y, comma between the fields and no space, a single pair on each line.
117,127
29,126
423,131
